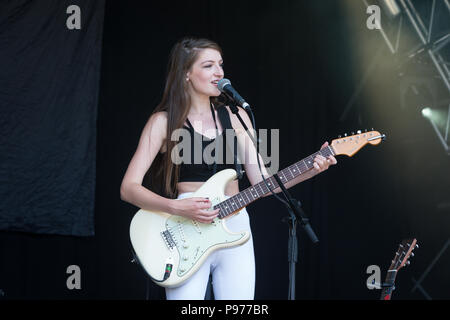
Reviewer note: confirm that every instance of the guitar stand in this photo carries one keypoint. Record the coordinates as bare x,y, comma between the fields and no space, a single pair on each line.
388,285
384,285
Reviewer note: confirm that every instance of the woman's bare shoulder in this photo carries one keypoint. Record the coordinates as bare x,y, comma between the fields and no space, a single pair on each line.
157,123
159,118
156,129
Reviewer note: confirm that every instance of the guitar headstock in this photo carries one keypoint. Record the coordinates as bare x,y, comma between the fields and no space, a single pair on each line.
349,145
405,250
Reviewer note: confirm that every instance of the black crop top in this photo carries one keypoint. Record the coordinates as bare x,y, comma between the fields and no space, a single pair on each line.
208,167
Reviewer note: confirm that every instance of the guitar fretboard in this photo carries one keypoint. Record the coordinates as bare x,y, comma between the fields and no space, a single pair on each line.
245,197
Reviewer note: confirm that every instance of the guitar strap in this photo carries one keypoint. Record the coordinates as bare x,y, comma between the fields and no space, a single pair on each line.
225,120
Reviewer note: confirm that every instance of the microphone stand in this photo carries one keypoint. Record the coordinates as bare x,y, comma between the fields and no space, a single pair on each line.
295,213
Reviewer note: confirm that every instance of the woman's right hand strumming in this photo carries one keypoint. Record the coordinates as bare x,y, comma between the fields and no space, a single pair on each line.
195,209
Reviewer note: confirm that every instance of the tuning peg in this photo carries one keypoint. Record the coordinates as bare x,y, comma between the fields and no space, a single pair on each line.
339,136
358,132
353,133
412,254
365,130
345,134
417,246
408,263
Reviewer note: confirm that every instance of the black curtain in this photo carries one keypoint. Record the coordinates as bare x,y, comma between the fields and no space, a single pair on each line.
50,71
297,63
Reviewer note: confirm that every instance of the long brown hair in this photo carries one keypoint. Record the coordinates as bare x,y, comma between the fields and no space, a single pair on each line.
176,102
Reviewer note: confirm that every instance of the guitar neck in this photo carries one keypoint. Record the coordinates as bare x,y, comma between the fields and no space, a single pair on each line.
247,196
400,260
386,292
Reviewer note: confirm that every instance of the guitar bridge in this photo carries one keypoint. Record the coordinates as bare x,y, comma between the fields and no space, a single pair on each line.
168,239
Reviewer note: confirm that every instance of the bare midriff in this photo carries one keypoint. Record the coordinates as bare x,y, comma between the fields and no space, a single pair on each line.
231,189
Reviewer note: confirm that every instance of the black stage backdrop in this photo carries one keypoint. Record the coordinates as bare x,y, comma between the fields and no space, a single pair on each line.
297,63
49,83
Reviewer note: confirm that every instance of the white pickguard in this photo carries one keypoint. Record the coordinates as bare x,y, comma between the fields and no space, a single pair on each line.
168,244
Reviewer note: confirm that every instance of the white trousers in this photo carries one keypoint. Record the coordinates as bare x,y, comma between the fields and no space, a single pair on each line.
232,269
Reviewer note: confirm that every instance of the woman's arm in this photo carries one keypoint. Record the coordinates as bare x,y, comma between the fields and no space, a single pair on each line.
131,189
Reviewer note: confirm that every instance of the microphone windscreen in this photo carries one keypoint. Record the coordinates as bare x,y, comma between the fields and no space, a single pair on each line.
222,83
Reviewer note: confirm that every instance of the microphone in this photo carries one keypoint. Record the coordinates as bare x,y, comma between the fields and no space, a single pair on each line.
224,86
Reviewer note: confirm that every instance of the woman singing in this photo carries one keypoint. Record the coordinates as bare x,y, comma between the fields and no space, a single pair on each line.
190,101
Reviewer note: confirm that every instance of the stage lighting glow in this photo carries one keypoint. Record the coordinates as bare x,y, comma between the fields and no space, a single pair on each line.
426,112
392,6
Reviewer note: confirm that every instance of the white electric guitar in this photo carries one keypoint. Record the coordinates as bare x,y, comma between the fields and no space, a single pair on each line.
171,248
